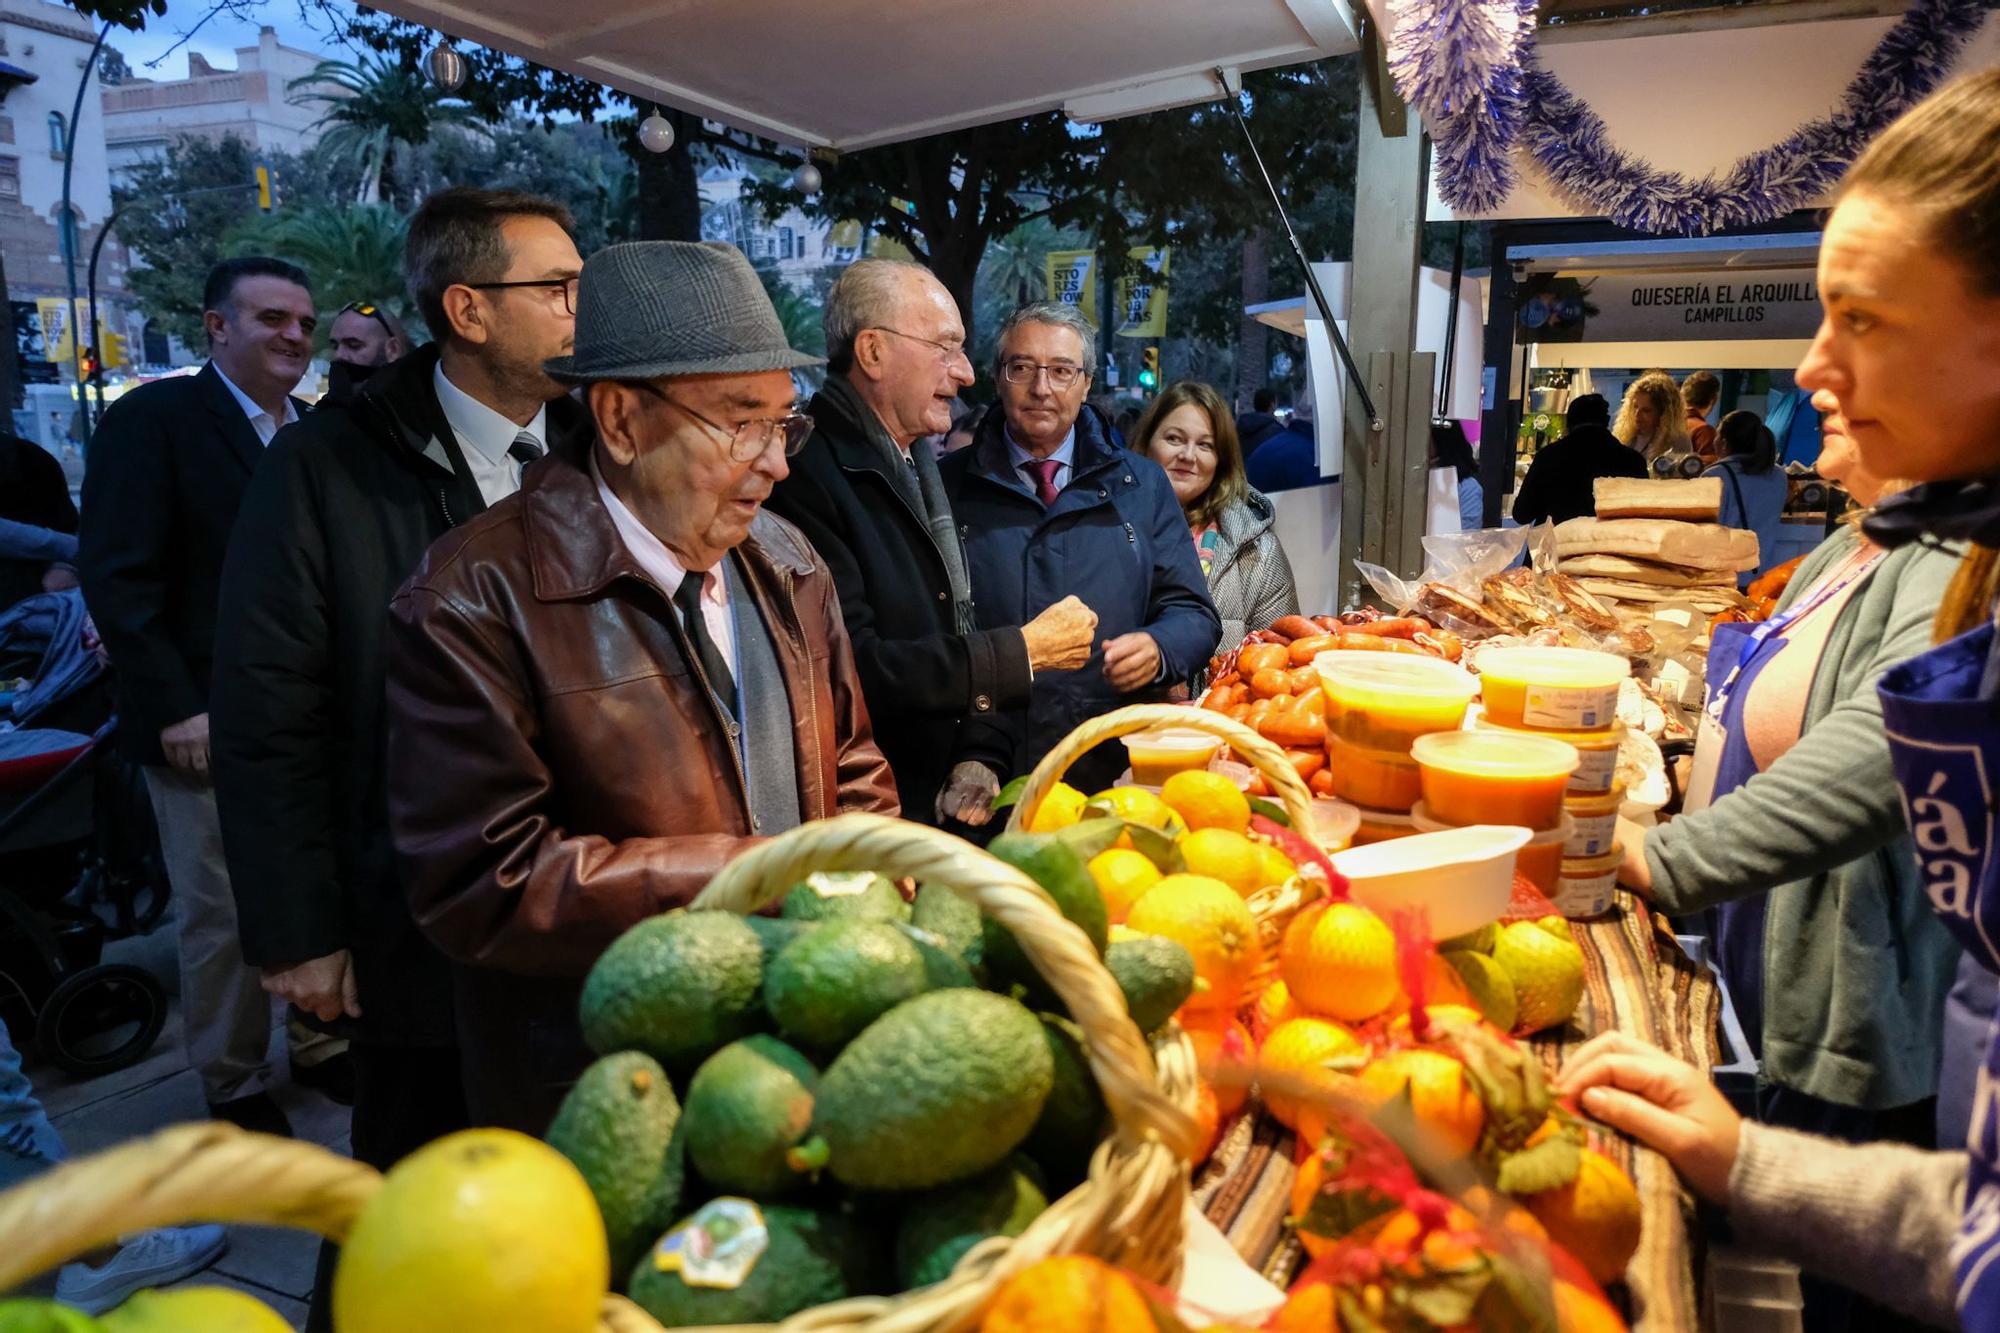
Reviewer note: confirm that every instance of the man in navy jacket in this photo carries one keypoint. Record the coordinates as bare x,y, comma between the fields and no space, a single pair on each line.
1049,506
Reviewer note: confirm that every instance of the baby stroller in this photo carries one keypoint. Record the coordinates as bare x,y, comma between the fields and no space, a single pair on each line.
78,860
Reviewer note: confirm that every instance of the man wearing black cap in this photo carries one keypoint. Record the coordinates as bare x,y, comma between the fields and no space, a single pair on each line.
612,682
1560,482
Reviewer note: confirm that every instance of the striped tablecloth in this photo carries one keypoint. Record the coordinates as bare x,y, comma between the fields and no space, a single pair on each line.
1637,981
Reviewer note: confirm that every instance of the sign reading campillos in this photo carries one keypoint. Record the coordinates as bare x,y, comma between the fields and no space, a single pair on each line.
1731,303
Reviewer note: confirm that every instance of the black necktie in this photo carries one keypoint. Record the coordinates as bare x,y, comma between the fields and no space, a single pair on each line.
687,598
525,449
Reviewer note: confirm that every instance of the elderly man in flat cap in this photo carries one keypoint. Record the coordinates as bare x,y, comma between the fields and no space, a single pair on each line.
613,681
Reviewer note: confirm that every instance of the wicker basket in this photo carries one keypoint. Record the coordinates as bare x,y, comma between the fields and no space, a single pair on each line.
1273,907
1130,1211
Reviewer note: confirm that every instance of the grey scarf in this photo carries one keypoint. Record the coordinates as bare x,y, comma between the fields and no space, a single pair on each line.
917,480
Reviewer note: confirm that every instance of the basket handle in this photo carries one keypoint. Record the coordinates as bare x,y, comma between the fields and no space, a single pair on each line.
1266,757
205,1172
1058,949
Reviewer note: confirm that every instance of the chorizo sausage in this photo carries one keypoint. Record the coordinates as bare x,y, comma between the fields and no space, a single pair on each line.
1321,782
1262,657
1306,762
1303,651
1294,627
1393,627
1269,682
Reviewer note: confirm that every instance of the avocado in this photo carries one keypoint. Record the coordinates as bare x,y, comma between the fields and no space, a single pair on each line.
748,1107
775,932
939,1227
29,1315
1071,1124
953,918
827,896
1065,878
1156,974
824,988
615,1125
809,1257
678,986
941,1087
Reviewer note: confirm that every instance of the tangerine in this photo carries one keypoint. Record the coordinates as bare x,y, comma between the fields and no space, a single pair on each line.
1339,959
1208,919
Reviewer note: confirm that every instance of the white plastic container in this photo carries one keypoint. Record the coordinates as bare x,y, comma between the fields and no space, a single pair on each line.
1461,878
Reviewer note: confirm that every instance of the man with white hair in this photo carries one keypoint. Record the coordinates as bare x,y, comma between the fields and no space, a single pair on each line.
875,509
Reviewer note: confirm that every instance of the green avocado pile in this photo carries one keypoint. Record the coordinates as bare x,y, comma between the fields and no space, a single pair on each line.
841,1100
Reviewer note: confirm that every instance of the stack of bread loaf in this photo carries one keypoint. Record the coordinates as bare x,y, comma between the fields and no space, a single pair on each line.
1655,542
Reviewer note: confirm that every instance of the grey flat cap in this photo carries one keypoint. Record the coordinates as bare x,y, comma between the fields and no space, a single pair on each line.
650,309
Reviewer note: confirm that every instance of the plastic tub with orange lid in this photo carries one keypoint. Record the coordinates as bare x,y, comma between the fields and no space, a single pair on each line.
1384,701
1374,779
1492,777
1596,820
1589,887
1596,753
1552,689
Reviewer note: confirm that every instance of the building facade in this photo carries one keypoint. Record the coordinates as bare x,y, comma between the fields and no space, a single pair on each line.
44,51
800,249
253,102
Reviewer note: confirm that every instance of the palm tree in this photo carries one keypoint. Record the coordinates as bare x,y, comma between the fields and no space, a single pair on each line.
352,252
375,106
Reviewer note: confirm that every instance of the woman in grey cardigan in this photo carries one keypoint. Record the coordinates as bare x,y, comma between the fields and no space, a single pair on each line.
1189,432
1837,963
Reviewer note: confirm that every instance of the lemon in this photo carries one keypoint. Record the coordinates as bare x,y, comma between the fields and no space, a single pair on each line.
1141,807
33,1315
484,1229
1546,969
1058,810
1277,866
194,1310
1229,857
1207,800
1122,876
1339,959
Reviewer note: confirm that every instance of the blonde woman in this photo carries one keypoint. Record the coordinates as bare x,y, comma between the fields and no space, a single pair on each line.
1653,419
1189,432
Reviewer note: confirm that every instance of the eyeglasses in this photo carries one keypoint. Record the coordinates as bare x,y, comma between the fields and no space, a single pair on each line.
1061,374
566,285
947,352
366,311
752,438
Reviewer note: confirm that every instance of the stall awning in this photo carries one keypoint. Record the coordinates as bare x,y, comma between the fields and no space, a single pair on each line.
852,73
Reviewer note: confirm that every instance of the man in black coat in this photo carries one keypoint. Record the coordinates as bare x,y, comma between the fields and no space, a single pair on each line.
875,509
341,511
33,491
167,470
1561,482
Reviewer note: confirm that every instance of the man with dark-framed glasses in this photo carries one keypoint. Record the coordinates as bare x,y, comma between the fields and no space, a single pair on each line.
1050,507
605,687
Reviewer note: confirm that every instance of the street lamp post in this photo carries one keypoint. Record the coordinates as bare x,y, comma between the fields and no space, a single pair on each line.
66,229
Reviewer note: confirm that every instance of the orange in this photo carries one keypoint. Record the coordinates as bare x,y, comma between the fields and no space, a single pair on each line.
1339,959
1580,1311
1208,919
1122,877
1207,800
1312,1051
1441,1095
1069,1293
1399,1028
1058,810
1595,1217
1274,1006
1305,1188
1229,857
1309,1309
1226,1054
1445,1247
1208,1116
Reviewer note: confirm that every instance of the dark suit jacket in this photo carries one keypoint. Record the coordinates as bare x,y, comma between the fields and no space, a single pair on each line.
1561,482
920,675
167,468
32,490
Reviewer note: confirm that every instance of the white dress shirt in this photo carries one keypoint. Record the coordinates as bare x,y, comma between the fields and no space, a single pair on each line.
261,421
484,436
658,562
1065,452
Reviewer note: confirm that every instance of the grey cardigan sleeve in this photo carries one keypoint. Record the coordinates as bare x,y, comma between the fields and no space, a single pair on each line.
1832,797
1877,1218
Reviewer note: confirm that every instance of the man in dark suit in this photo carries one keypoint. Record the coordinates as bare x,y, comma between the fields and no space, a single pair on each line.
168,467
1561,482
870,499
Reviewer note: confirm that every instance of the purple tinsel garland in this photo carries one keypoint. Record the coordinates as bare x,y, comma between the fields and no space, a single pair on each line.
1469,67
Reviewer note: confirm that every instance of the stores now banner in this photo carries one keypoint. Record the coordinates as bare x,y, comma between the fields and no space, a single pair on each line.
1142,303
1673,307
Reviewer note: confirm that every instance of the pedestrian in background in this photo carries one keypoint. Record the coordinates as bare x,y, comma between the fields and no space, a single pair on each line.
1754,487
1699,393
364,338
1652,419
168,468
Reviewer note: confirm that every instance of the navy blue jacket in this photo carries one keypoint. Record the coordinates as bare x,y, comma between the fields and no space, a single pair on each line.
1115,537
1285,461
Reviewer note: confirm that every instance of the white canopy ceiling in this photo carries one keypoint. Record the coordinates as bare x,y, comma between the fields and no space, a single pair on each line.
848,74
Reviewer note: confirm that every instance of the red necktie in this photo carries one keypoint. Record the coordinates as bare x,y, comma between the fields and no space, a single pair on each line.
1043,473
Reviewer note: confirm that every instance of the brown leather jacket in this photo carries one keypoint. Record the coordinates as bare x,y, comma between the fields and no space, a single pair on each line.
556,773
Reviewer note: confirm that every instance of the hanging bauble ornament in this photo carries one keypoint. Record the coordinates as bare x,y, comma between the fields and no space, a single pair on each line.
806,180
446,67
656,133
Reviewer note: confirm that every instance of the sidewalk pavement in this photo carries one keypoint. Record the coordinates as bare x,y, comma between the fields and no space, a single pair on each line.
276,1266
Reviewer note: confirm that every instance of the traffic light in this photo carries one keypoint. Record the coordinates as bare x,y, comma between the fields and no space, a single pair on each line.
112,346
266,190
89,368
1149,368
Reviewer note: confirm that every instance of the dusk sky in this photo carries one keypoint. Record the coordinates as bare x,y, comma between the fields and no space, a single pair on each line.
306,26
